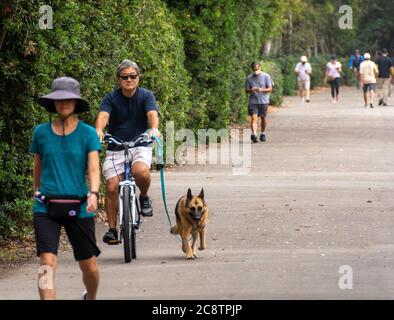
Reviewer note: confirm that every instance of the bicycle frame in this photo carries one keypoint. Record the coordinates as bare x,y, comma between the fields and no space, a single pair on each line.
128,180
131,213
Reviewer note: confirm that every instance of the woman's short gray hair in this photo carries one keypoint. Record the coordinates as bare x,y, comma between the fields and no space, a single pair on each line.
127,64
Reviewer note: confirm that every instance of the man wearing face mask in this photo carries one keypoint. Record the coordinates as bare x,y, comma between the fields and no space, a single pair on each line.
303,71
259,85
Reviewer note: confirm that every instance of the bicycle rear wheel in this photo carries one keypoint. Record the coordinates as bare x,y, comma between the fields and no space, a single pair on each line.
127,225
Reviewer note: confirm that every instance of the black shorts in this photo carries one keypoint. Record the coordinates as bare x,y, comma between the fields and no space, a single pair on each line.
369,87
80,232
259,109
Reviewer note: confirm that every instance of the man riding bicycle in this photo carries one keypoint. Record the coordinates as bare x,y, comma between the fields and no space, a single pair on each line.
129,110
354,64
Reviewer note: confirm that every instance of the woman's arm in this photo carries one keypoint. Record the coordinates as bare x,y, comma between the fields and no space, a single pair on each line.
36,171
94,179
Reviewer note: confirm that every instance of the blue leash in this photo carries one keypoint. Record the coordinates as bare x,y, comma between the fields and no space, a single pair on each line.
160,166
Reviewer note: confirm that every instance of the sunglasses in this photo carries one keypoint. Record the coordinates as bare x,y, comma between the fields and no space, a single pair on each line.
131,76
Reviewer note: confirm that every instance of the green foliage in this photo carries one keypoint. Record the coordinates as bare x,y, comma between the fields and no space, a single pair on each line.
16,120
208,29
87,42
287,65
221,39
376,25
273,69
193,55
318,64
312,27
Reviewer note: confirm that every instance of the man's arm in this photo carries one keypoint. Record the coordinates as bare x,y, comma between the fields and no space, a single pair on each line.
296,71
361,73
101,123
36,171
248,88
251,90
268,86
265,90
310,69
153,122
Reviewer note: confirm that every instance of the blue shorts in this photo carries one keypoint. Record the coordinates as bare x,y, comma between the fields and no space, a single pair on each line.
369,87
259,109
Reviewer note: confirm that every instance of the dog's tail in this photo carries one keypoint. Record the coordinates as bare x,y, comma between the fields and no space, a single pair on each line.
174,230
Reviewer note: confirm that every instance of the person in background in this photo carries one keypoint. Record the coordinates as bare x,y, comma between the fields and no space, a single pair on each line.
384,64
303,71
333,73
259,85
368,74
354,64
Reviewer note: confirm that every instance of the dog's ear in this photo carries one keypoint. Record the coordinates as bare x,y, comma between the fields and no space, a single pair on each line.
188,197
201,195
189,194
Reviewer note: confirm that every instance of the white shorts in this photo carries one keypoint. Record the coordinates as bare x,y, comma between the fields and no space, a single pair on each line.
114,160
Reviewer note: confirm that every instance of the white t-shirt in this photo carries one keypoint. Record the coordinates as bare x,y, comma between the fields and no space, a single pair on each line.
303,70
332,69
367,71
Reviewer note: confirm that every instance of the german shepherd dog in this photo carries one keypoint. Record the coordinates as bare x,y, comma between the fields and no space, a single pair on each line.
191,214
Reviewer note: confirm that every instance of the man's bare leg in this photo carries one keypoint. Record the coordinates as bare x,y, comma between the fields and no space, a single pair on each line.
141,174
253,123
111,200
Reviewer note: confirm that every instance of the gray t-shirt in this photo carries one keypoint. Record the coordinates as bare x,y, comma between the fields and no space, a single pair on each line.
263,80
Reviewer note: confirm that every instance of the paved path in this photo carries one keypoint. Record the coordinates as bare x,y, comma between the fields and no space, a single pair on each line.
319,196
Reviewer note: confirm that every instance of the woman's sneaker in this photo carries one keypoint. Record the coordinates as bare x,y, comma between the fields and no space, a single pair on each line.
263,137
111,237
253,137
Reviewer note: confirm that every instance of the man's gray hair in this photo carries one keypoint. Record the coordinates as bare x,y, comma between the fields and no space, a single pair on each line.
127,64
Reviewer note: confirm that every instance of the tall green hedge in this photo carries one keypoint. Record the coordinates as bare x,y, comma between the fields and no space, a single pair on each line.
88,40
194,55
221,39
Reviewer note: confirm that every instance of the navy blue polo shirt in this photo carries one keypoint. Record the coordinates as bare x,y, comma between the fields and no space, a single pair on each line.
128,116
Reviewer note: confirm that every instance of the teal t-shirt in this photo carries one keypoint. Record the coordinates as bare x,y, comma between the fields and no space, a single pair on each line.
64,162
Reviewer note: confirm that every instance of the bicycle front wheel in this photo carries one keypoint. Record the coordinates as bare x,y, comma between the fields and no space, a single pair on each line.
127,225
134,209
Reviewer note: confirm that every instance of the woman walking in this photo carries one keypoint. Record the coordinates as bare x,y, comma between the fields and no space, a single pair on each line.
333,73
65,151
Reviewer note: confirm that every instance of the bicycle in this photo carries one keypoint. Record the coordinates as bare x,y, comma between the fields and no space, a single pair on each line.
129,211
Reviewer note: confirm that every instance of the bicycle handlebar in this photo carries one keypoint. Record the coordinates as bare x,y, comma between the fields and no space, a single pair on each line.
142,140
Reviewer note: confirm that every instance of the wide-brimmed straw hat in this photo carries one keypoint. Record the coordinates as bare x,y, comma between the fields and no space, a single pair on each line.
64,88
